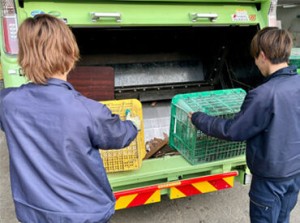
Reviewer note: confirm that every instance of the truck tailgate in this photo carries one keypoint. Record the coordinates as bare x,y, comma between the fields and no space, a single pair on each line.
98,13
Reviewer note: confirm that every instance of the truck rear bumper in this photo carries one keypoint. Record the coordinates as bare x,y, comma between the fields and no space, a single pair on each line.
175,189
173,176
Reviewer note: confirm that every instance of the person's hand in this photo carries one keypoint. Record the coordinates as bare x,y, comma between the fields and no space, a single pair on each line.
190,115
135,120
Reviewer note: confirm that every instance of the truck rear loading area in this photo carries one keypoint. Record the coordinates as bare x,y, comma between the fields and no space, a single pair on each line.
152,51
156,63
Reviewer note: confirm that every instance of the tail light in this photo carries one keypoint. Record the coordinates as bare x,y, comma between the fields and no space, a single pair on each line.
9,26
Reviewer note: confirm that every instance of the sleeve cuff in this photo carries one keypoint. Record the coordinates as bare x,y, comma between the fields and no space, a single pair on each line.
195,117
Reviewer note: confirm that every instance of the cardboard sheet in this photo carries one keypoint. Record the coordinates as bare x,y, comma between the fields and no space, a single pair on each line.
94,82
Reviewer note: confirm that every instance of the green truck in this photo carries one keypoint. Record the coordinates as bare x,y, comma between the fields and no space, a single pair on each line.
152,51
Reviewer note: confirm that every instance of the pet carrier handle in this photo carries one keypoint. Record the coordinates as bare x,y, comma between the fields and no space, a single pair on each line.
106,15
211,16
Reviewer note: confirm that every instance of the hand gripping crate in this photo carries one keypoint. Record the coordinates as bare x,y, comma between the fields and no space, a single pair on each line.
128,158
194,145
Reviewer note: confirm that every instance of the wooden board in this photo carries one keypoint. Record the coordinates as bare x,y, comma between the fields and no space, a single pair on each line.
94,82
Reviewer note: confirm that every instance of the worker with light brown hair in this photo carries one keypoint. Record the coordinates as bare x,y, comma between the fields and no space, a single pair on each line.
46,48
269,121
53,132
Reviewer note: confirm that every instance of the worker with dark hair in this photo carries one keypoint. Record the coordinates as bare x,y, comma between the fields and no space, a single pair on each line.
269,121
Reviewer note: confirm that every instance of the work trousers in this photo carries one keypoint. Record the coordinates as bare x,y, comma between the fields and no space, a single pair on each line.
271,201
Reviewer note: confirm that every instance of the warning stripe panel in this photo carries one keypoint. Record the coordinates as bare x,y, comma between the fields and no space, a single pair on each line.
229,180
140,199
201,187
219,184
183,191
175,193
177,189
124,201
204,187
188,190
155,197
137,199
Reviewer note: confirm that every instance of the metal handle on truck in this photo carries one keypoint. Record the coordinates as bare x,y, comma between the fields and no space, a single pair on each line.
107,15
211,16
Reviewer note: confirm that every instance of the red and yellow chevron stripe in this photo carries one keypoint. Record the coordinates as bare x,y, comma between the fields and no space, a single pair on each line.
177,189
200,187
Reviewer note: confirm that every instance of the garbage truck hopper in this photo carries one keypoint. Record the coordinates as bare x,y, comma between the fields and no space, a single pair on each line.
152,51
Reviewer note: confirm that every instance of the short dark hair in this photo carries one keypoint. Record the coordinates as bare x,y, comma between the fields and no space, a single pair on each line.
274,42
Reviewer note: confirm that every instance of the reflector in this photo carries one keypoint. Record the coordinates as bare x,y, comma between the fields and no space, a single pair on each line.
10,27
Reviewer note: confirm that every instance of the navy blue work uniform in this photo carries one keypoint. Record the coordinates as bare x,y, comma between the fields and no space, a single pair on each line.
269,121
53,135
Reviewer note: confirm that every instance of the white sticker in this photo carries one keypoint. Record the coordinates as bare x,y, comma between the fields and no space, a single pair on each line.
240,16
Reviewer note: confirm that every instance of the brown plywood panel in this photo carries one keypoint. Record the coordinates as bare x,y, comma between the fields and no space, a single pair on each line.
94,82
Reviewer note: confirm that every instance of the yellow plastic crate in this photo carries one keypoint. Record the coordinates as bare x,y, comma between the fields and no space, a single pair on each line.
128,158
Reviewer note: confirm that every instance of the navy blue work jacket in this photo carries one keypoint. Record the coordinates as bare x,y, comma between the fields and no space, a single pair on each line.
53,135
269,121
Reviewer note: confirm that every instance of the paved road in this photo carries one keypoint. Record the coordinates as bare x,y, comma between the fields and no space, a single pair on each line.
227,206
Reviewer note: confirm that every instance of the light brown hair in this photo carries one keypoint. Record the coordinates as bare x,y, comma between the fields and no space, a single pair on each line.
274,42
47,47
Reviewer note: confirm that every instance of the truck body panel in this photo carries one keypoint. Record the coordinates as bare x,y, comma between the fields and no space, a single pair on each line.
157,50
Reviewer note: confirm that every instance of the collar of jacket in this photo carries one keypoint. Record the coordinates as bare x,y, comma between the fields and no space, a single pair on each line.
287,71
59,82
